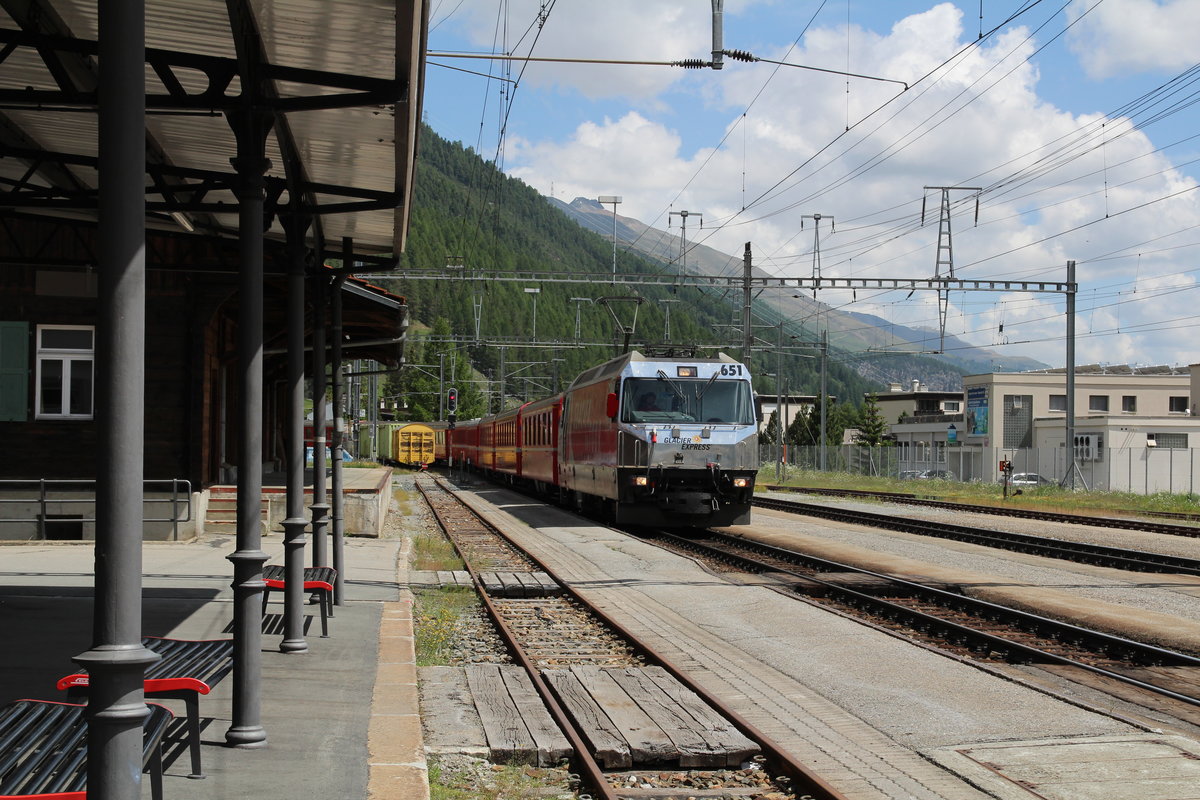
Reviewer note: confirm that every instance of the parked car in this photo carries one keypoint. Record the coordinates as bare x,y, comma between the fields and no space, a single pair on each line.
910,474
937,475
1028,479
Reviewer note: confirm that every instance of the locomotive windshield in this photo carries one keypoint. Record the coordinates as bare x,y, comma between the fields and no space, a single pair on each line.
665,399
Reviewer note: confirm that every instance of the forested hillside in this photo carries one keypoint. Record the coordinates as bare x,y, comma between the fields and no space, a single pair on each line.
465,212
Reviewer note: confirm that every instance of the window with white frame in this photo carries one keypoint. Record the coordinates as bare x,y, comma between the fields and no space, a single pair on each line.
1058,402
1173,441
1129,404
952,406
1177,405
65,361
1098,402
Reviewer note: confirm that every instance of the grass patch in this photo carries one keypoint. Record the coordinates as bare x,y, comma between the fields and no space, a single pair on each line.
480,780
363,464
435,552
1042,498
435,616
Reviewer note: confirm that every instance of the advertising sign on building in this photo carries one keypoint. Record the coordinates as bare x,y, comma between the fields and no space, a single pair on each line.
977,411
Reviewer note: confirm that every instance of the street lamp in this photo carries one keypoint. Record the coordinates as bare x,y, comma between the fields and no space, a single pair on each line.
535,291
614,199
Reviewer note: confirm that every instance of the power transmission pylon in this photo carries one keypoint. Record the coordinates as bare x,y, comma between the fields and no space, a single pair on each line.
816,218
683,216
945,250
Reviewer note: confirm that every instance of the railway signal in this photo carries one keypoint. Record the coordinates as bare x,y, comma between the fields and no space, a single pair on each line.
451,400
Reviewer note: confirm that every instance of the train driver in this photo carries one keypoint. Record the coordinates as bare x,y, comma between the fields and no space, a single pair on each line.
647,402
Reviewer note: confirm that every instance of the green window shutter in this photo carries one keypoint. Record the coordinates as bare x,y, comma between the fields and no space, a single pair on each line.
14,371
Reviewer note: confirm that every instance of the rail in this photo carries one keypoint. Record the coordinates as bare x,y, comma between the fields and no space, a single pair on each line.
49,493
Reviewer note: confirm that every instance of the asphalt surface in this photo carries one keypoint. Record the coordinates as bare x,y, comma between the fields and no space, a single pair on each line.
316,706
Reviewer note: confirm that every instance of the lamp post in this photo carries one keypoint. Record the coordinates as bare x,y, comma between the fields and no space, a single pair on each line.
535,291
614,199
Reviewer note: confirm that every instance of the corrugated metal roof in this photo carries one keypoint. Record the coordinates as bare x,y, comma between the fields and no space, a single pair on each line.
347,155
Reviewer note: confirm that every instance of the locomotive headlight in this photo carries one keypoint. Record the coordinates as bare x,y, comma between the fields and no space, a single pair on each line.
641,480
741,483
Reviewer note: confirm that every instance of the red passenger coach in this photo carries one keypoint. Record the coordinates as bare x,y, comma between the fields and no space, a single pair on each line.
539,442
506,455
464,444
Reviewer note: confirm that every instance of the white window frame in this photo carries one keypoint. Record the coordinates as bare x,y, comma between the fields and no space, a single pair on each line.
1058,402
69,358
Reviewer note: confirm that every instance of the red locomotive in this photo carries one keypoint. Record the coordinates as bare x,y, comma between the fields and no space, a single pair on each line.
639,440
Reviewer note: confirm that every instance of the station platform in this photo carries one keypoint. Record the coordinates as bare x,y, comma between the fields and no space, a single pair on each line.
341,719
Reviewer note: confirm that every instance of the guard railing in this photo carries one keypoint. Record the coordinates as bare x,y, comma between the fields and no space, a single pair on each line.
49,497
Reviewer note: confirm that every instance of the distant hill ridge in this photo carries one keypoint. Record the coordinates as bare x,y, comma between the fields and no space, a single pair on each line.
849,331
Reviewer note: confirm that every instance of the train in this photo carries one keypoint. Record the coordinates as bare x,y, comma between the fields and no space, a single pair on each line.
638,440
407,444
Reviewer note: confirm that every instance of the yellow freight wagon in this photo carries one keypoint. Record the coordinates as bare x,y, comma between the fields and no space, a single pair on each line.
414,444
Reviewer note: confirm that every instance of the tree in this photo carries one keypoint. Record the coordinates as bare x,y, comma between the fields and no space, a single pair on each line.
770,433
872,427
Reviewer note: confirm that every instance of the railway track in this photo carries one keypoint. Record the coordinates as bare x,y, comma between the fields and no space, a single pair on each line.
1116,558
546,634
1024,513
1162,680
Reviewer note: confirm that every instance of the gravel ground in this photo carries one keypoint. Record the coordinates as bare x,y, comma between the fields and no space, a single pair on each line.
1175,595
1164,543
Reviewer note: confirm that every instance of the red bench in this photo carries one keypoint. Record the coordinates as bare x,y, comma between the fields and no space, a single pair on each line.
318,580
43,750
186,670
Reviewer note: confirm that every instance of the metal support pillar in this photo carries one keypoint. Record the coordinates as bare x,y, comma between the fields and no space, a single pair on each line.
320,504
338,514
117,661
251,128
294,525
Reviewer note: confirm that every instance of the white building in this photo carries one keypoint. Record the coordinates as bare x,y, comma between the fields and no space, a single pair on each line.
1134,427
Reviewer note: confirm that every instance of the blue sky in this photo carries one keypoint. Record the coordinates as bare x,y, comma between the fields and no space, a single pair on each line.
1039,113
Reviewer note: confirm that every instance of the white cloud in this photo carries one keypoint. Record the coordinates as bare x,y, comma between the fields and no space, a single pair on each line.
979,123
1120,36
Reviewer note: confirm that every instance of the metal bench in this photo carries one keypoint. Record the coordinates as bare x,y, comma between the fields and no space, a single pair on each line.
186,670
43,750
318,580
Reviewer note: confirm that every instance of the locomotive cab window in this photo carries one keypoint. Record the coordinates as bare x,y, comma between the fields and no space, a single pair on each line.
670,400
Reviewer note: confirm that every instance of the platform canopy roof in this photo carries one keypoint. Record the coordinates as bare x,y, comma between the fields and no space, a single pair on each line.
340,80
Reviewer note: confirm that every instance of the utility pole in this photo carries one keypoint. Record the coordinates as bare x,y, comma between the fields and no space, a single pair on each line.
945,250
747,331
614,199
683,216
779,405
824,395
1072,288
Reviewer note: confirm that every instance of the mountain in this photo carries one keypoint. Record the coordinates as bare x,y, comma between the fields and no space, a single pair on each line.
880,350
500,340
